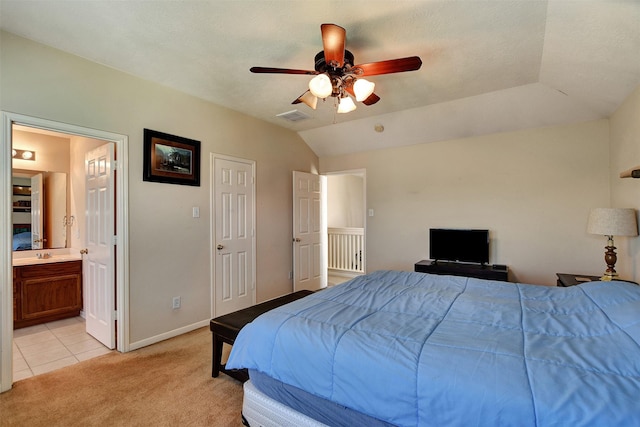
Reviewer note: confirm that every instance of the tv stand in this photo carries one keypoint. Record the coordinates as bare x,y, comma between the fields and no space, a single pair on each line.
491,272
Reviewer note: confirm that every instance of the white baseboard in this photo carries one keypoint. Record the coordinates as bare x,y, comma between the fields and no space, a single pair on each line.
165,336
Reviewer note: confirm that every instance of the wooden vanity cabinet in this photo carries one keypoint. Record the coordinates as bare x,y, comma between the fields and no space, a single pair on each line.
46,292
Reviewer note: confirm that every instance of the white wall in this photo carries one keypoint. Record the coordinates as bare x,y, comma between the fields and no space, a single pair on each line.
169,250
625,192
345,196
532,189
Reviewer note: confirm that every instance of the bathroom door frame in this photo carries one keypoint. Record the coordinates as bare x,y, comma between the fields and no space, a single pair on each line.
122,231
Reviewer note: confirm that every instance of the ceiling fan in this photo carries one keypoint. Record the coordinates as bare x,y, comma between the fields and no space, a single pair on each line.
337,76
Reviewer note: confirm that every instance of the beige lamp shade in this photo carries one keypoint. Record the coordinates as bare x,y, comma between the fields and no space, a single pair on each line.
613,222
309,99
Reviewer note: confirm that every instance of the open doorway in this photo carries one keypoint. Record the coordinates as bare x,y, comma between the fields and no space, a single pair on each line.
346,225
80,140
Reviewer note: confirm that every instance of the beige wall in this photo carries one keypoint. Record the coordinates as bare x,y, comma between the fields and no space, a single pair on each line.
52,153
532,189
625,193
169,250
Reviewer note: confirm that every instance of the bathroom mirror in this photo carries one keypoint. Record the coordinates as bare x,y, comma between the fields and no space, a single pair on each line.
40,219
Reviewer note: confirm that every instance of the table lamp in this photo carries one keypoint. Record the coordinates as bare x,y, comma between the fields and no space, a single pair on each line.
612,222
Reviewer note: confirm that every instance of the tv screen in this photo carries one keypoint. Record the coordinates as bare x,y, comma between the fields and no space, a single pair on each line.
459,245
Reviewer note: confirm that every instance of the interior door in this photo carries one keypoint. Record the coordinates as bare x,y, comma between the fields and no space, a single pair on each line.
309,232
36,212
234,238
98,264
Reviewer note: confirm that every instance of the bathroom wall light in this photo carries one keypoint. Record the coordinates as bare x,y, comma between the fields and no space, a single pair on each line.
23,154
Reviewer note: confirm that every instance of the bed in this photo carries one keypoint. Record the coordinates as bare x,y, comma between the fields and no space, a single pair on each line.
415,349
21,237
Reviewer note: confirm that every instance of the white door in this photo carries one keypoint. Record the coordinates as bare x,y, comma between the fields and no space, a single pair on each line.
309,232
36,212
98,265
234,235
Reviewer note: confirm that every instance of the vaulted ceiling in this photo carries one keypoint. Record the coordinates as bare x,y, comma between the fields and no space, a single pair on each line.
488,66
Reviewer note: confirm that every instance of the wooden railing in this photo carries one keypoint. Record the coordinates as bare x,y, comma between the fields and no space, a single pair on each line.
346,249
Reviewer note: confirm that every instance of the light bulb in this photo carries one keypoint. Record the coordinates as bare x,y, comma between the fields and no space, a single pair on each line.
27,155
321,86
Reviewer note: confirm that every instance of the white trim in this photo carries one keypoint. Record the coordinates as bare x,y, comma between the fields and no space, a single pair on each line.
122,231
6,289
166,335
212,225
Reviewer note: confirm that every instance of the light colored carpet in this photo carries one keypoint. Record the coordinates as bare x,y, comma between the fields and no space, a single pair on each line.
165,384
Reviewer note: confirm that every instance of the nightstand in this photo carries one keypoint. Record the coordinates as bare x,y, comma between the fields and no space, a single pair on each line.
565,280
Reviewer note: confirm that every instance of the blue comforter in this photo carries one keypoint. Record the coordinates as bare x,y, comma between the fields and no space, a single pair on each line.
416,349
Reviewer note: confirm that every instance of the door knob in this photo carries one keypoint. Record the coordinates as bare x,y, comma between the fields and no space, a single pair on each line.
219,247
84,251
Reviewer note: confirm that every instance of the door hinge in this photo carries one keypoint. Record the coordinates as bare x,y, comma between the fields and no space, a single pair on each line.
115,314
114,165
114,240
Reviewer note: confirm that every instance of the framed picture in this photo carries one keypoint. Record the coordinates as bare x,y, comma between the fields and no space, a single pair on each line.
171,159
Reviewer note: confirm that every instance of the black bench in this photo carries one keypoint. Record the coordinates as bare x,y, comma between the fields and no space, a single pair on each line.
225,330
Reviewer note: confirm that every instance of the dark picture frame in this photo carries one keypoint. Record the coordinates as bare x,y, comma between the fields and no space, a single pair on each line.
171,159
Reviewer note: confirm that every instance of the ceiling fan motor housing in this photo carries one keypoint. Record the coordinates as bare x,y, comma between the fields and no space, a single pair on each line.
340,76
322,67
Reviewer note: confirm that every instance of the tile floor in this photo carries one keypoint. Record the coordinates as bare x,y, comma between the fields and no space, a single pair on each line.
50,346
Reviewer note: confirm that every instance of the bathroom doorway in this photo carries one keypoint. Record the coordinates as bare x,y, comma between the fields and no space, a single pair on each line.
82,140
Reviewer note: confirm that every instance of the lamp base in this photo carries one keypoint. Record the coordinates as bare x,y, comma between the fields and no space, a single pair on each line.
610,259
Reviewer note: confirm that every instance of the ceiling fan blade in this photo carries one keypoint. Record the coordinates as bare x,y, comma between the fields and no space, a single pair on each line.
371,99
334,39
261,70
399,65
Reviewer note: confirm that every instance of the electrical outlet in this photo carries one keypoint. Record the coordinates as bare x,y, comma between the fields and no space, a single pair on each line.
176,302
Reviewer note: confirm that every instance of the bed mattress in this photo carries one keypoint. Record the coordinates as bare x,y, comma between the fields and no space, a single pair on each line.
259,410
315,407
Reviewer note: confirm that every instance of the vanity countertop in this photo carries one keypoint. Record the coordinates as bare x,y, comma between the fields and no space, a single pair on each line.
17,262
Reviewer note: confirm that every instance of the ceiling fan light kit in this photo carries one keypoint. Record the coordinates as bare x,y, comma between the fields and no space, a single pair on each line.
336,76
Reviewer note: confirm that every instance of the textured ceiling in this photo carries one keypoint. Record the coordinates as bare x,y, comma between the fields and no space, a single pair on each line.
488,66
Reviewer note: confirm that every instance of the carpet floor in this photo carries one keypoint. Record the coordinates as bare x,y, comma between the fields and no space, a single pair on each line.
165,384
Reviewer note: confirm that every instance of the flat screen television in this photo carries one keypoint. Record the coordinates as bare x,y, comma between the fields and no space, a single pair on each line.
458,245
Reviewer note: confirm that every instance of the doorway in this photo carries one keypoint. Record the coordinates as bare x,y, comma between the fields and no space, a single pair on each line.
120,239
346,225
